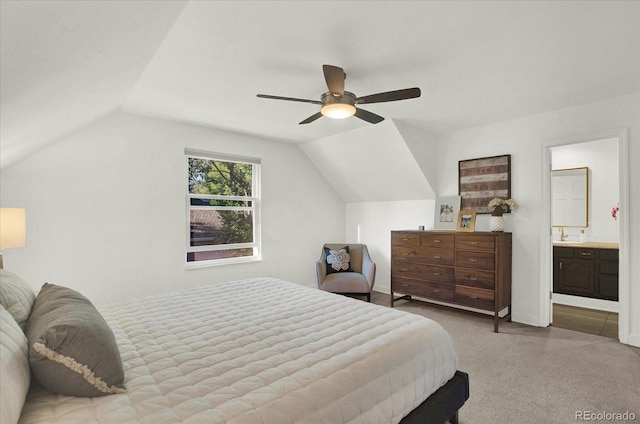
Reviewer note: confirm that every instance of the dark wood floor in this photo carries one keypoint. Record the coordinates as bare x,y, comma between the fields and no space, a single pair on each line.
601,323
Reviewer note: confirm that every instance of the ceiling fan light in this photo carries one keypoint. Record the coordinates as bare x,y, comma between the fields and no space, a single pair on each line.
338,110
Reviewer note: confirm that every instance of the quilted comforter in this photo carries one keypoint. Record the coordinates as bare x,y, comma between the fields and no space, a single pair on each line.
261,351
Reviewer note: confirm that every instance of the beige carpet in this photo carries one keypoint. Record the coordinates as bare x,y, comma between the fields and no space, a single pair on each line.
536,375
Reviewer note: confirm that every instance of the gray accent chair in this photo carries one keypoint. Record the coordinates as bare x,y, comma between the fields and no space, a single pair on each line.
357,283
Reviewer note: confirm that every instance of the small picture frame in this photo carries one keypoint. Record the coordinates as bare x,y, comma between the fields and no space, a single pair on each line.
446,212
466,221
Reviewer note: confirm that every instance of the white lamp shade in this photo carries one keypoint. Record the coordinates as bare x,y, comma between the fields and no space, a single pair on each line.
13,228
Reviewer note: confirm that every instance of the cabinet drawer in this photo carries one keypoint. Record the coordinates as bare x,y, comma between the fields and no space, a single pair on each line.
438,291
434,256
585,253
475,260
475,297
405,239
422,271
440,241
609,255
468,242
481,279
562,252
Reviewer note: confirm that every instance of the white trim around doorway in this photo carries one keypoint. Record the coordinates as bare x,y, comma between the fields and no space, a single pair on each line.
546,252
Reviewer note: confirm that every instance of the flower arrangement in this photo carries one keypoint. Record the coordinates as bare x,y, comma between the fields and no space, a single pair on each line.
614,211
500,206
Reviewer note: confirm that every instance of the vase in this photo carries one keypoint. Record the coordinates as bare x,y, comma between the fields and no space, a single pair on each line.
497,224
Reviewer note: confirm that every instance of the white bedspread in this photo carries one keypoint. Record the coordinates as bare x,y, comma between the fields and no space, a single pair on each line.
261,351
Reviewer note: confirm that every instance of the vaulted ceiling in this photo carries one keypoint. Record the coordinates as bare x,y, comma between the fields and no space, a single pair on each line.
64,64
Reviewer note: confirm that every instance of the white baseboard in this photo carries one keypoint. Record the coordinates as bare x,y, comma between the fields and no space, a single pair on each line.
586,302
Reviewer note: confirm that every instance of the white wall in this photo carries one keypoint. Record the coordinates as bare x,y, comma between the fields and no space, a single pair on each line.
524,139
371,223
106,209
601,156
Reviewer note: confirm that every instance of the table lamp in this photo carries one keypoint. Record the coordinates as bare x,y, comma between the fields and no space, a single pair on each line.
13,229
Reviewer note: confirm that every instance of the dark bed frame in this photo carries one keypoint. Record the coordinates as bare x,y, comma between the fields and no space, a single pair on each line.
443,405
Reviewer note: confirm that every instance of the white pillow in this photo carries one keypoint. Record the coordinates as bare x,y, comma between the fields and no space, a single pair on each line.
16,296
14,368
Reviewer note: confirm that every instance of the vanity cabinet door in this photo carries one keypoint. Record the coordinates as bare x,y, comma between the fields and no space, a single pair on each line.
573,276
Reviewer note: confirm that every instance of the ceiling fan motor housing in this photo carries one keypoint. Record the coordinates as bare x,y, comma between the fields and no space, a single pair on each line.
338,107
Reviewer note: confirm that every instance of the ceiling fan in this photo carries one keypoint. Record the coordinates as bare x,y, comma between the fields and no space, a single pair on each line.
338,103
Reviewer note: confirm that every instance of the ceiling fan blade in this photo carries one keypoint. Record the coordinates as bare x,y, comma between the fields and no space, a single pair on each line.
311,118
291,99
334,76
390,96
365,115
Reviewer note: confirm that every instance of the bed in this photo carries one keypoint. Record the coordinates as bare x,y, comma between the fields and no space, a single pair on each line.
266,351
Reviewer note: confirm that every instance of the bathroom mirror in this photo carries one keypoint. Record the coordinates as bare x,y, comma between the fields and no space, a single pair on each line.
570,197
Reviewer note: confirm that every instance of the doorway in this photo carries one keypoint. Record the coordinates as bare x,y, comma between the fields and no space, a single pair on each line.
600,226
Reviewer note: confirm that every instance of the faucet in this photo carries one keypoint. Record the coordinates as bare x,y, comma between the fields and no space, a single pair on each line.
563,236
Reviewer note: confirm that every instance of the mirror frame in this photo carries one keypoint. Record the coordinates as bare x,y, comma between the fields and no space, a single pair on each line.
586,197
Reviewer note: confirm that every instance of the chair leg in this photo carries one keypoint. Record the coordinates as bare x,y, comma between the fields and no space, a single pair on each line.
369,297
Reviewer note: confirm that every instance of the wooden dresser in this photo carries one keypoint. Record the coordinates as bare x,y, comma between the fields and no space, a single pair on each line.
455,268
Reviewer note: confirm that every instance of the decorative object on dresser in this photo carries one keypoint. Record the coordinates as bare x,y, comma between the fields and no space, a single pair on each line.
466,221
586,271
480,180
456,269
499,207
446,213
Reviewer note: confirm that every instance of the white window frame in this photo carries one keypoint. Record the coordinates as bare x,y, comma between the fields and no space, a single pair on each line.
255,200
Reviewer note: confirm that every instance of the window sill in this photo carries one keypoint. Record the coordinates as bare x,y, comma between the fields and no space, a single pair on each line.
221,262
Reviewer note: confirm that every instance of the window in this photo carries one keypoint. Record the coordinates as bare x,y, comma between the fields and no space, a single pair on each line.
223,208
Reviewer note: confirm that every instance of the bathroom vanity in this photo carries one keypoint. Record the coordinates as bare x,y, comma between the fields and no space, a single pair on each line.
586,269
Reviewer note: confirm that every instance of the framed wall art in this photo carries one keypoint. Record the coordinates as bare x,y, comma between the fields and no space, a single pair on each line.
480,180
446,213
466,220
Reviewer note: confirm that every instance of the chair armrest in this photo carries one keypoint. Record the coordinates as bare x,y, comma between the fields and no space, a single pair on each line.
321,271
368,268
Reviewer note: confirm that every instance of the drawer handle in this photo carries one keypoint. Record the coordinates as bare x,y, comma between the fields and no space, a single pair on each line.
405,254
473,242
474,297
585,254
405,239
436,241
473,260
436,257
472,278
436,273
436,290
405,285
404,269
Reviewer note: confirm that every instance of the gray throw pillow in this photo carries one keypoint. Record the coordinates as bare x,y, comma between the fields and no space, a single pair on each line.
16,297
72,350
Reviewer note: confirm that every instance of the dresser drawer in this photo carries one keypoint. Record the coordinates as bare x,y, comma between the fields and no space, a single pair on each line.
475,297
403,253
435,256
422,271
405,239
473,278
438,291
440,241
475,260
474,242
